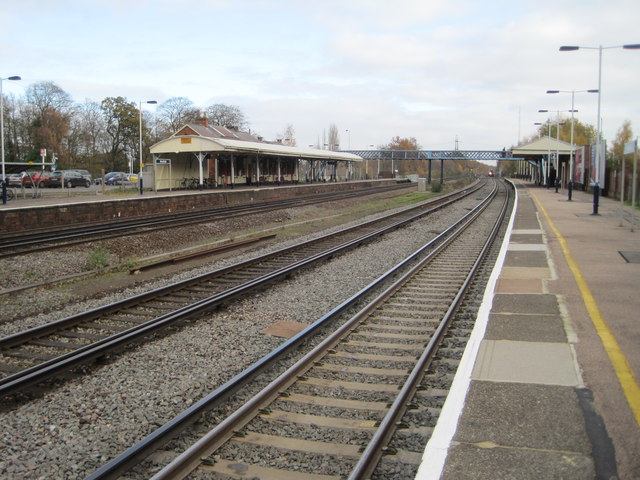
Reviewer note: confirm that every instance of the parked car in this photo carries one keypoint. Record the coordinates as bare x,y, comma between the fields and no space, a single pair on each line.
13,179
99,180
34,178
72,178
119,178
84,173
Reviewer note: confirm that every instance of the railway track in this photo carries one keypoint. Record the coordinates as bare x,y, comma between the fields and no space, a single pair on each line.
17,243
339,410
31,356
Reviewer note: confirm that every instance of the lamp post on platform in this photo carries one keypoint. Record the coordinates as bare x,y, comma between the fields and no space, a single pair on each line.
152,102
573,95
570,48
4,178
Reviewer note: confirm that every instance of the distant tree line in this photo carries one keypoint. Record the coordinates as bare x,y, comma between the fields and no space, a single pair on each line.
96,135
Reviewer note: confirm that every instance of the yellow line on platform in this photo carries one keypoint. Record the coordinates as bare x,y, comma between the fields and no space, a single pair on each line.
620,363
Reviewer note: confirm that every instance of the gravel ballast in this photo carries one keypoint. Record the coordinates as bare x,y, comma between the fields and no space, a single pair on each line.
74,428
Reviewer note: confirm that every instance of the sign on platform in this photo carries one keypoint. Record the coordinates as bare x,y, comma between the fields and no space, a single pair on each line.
631,146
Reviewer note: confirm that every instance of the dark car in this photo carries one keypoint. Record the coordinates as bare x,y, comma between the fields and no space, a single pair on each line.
84,173
116,178
72,178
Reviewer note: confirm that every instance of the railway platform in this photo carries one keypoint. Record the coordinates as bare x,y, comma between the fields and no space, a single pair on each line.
548,386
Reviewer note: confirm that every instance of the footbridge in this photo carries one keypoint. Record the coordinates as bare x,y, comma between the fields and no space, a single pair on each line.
430,155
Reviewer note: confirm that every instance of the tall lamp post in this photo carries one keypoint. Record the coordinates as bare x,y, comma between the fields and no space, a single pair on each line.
153,102
570,48
4,178
573,95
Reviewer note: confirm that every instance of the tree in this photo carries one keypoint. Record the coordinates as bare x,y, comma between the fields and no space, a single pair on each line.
87,139
229,116
173,114
121,122
49,131
47,113
583,134
398,143
288,137
623,135
333,138
45,96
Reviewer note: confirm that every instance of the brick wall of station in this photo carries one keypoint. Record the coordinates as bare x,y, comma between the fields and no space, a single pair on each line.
88,210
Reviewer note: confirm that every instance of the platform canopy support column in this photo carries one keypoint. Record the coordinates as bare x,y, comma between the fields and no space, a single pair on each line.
257,169
216,171
233,171
278,180
200,156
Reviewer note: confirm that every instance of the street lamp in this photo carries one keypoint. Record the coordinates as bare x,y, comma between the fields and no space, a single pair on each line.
573,95
153,102
570,48
4,178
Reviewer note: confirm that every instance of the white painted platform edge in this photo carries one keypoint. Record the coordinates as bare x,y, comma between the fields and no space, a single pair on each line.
435,453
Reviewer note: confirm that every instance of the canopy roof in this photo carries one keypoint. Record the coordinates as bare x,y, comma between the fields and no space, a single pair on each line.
543,146
196,137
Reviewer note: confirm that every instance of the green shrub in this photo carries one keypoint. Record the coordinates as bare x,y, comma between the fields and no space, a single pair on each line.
98,258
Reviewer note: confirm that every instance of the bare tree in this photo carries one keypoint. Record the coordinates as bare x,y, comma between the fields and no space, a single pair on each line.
48,96
288,137
173,114
229,116
333,137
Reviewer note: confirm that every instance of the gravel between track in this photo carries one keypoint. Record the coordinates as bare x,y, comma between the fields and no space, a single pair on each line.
71,430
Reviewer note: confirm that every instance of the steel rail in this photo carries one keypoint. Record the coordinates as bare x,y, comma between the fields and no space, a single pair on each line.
374,450
141,450
46,369
183,464
74,235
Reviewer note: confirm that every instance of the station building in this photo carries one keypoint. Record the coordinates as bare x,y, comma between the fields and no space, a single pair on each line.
200,156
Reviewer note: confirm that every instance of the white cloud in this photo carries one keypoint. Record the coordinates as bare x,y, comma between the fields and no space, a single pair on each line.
433,70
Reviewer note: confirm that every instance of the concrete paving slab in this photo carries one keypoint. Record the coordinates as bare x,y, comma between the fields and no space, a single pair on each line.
542,328
527,247
525,272
545,363
476,462
525,259
545,304
546,417
519,285
526,238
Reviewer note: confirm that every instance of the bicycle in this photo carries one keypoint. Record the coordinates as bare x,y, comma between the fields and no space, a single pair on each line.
11,193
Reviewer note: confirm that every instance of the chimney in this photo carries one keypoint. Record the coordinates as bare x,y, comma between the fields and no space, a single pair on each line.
202,119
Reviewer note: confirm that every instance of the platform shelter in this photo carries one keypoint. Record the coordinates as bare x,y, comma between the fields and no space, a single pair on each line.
200,155
545,159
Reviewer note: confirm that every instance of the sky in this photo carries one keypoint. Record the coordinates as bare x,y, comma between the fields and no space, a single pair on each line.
468,73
